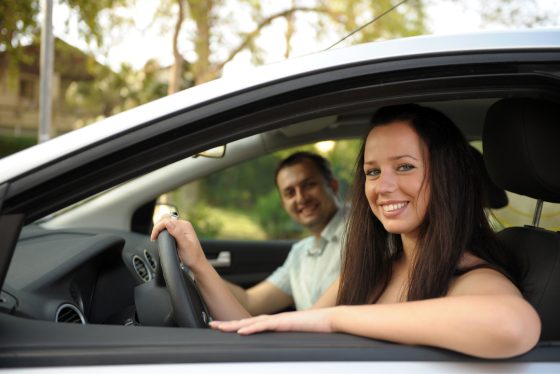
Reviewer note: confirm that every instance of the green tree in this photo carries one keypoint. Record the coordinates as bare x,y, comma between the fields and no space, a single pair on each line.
19,21
113,92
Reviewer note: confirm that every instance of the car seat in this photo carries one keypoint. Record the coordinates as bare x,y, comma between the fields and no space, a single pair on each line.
520,145
494,196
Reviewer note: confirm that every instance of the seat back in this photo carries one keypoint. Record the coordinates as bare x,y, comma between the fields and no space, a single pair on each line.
494,196
520,143
538,254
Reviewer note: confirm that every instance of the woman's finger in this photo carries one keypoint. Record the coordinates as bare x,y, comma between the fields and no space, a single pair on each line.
161,225
270,324
232,326
248,325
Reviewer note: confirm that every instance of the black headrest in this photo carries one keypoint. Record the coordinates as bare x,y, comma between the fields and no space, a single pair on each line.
521,142
494,196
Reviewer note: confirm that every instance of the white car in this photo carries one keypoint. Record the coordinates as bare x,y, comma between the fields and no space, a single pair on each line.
75,212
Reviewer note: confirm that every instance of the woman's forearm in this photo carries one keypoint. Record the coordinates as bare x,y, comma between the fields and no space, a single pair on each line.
221,302
491,326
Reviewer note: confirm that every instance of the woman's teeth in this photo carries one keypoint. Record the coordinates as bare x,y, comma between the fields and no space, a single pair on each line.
392,207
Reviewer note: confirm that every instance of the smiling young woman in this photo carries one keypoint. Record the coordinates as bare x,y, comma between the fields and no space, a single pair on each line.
421,263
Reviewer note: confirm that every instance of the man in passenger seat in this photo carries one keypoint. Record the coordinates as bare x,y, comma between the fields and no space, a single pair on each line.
308,191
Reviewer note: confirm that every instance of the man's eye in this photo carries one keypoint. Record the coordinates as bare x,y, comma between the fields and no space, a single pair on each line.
288,193
405,167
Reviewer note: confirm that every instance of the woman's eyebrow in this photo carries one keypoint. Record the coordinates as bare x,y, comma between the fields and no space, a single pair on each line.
402,156
393,158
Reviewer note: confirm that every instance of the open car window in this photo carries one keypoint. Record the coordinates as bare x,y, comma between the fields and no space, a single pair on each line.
242,201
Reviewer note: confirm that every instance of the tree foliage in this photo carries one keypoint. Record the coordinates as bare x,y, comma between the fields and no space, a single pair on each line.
512,13
20,33
212,32
89,13
113,92
19,21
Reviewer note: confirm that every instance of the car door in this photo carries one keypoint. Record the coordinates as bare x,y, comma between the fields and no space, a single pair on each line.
246,262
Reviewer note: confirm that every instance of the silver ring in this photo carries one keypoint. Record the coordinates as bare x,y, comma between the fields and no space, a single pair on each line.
174,215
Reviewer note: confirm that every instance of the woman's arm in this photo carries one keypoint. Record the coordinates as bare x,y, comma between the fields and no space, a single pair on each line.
483,315
221,302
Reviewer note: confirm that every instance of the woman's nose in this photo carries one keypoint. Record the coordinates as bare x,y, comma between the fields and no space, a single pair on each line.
386,182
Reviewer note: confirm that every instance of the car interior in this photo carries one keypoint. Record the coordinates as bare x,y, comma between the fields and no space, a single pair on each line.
104,221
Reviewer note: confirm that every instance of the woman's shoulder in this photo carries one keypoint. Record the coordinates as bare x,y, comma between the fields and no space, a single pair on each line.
474,275
469,262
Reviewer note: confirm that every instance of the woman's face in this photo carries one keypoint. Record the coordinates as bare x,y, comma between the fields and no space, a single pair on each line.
395,168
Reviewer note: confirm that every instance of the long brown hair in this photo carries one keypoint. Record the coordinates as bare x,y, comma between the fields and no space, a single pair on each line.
454,222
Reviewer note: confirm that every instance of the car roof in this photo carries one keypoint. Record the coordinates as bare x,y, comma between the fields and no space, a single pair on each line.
412,47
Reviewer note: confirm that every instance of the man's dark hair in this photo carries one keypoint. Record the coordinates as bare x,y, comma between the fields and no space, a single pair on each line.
323,165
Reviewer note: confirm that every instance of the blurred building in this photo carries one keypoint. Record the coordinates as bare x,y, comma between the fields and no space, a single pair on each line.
19,88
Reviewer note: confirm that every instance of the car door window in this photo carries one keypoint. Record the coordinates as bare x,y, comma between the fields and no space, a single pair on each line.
242,202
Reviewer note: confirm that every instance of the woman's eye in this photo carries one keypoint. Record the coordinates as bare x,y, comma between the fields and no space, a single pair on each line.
405,167
373,172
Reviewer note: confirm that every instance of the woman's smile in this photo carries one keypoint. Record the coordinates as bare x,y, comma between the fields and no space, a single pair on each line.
393,208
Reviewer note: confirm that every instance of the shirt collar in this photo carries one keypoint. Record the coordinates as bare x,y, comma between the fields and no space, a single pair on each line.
331,233
333,229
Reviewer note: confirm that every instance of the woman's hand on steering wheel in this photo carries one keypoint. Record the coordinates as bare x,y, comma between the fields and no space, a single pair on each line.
178,242
188,246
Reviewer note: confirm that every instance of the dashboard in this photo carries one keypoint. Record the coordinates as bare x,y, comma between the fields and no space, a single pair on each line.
78,276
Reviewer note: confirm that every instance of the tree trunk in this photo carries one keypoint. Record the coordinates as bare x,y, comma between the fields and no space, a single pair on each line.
175,72
290,30
201,13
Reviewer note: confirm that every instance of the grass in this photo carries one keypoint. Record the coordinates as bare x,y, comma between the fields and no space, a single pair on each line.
11,144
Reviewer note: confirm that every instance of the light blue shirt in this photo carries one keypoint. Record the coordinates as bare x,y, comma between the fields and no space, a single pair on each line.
312,265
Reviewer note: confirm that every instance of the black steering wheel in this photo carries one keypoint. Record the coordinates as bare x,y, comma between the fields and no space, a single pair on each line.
189,309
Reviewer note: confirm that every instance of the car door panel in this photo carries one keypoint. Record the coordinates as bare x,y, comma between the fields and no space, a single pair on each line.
246,262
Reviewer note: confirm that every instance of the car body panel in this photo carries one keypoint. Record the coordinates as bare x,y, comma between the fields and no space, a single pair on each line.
77,346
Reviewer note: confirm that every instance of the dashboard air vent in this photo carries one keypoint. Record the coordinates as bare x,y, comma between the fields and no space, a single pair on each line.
141,269
150,259
68,313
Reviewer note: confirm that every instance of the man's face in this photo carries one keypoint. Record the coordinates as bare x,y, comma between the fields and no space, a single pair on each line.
307,197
